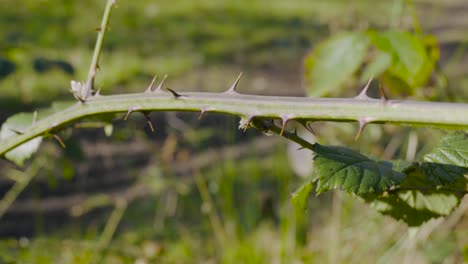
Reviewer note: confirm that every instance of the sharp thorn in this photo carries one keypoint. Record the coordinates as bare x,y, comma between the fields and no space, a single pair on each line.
362,124
382,94
285,120
363,94
98,92
59,140
244,123
160,86
130,111
150,87
203,110
232,89
308,126
148,120
18,132
174,93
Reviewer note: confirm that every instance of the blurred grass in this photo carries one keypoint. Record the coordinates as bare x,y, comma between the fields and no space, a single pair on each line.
193,40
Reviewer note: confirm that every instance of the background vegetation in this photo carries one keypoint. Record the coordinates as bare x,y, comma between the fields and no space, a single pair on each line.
197,190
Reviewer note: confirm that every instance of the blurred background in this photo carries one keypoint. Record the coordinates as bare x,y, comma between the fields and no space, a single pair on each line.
202,191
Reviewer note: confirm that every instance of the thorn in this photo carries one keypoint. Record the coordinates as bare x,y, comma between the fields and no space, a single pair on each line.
98,29
232,89
174,93
160,86
363,94
362,124
98,67
98,92
308,125
59,140
148,120
150,87
18,132
131,110
285,120
382,94
203,110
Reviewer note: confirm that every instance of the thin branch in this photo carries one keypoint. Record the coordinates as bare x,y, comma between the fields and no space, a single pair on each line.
97,50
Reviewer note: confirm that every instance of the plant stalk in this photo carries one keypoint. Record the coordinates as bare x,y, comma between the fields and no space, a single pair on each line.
362,110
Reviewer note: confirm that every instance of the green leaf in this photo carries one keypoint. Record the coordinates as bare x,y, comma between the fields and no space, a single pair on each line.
300,196
11,127
412,62
18,123
415,207
334,61
452,150
340,167
378,64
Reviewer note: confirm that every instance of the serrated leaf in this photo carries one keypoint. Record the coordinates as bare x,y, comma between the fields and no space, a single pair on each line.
416,207
340,167
334,61
452,150
16,124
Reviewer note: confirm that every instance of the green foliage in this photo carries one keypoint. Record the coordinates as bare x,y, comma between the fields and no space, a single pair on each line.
333,61
15,125
404,61
412,192
341,167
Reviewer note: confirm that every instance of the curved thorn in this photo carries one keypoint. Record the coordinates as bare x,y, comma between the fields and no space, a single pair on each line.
174,93
59,140
130,111
285,120
232,89
161,84
308,126
363,94
362,124
98,92
203,110
150,87
382,94
148,120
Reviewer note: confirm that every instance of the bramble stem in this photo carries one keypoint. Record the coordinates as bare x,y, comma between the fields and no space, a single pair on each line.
97,49
416,113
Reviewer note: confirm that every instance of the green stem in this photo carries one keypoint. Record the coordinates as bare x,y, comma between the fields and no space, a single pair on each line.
364,110
97,48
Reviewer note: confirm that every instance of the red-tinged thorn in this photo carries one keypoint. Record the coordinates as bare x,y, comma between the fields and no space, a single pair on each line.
150,87
148,120
232,89
382,94
363,94
160,86
59,140
174,93
362,124
130,110
285,120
